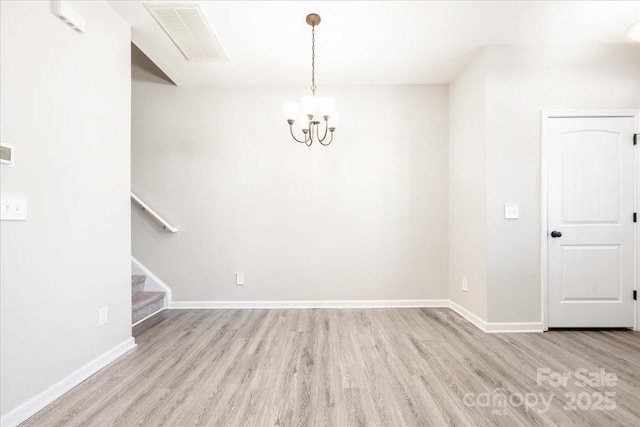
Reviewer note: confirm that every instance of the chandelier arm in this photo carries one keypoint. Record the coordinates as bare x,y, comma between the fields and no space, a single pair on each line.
294,137
326,128
330,139
313,129
308,137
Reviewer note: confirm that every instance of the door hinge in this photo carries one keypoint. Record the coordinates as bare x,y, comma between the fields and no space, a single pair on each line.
635,295
635,217
635,138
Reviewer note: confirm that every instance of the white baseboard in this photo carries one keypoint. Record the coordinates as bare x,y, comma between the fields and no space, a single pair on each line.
410,303
476,320
413,303
41,400
481,324
153,282
514,327
496,327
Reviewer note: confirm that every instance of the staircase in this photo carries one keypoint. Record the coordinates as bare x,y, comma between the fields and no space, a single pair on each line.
143,303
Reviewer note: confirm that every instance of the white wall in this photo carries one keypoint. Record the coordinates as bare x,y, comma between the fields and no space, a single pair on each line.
365,218
331,223
66,108
521,82
467,187
495,107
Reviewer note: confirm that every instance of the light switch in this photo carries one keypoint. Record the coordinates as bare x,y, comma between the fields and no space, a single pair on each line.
13,208
511,211
239,278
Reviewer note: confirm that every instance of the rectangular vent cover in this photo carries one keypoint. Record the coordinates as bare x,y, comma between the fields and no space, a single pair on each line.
7,155
189,30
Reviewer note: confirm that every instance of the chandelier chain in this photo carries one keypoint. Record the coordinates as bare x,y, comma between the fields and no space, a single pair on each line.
313,60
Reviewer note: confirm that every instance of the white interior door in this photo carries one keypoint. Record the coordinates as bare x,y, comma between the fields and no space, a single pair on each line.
590,222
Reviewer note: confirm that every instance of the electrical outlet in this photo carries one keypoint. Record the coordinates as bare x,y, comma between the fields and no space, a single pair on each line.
511,211
239,278
103,316
465,284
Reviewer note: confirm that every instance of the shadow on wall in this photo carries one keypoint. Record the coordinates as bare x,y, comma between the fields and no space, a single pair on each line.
144,69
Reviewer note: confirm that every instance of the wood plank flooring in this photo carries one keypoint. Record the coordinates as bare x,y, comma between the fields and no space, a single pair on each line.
350,367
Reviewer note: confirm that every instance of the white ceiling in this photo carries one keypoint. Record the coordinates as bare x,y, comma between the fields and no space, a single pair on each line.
368,42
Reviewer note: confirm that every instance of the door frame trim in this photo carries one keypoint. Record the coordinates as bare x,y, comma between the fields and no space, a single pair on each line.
545,116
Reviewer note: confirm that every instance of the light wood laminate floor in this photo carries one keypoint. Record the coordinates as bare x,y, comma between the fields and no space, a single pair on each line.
349,367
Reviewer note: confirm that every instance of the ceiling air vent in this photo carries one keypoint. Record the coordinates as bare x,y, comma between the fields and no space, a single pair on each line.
189,30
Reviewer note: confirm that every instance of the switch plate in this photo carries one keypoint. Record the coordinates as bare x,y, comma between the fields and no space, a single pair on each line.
239,278
511,211
13,208
103,316
465,284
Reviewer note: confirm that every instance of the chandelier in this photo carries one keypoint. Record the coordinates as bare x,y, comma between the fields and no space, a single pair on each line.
314,109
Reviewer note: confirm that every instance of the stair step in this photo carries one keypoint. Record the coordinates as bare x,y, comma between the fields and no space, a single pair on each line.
141,299
137,283
137,278
144,304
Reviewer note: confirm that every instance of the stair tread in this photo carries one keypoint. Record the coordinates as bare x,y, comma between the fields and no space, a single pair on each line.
141,299
137,278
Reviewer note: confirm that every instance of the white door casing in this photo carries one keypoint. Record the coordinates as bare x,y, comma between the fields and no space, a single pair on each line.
590,200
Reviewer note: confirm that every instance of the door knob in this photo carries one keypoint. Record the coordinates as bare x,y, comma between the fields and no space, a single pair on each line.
555,234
